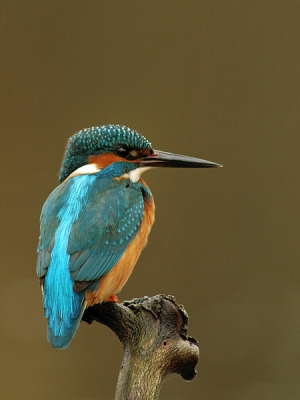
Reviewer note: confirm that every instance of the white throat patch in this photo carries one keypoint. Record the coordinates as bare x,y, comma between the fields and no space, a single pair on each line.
135,174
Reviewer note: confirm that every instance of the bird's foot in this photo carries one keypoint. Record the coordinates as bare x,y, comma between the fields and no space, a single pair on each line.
113,298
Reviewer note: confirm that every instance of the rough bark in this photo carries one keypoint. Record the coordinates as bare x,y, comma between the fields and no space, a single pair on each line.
154,335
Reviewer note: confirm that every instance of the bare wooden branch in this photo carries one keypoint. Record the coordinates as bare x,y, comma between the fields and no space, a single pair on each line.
154,335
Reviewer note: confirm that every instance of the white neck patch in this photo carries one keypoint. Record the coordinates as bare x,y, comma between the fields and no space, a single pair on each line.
87,169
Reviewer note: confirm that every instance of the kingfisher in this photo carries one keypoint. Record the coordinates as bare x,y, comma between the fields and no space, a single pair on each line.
96,222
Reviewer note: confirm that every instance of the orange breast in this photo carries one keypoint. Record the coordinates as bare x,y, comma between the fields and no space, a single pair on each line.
113,282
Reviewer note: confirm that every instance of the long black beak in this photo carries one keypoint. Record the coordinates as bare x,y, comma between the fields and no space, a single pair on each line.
164,159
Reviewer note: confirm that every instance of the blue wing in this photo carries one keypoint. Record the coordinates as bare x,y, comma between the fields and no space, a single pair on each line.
106,224
108,218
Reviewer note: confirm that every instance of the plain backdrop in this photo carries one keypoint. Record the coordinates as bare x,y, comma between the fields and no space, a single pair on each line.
212,79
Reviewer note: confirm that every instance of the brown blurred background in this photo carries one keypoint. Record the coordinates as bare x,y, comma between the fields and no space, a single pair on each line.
213,79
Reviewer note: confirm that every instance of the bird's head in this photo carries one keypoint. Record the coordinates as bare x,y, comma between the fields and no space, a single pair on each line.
94,149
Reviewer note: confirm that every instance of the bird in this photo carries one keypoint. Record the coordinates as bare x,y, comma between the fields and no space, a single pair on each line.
95,223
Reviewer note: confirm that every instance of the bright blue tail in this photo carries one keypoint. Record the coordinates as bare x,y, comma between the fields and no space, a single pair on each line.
63,307
61,332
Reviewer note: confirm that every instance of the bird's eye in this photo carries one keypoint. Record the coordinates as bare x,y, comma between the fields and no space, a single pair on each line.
122,152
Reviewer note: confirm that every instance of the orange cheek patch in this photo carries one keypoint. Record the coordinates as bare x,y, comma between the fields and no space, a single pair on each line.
103,160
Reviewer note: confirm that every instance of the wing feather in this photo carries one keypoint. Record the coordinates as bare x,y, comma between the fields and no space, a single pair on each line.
109,218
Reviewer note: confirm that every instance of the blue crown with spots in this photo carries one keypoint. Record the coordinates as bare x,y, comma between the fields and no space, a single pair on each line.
96,140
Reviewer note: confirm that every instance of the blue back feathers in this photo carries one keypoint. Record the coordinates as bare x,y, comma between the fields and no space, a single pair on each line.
63,307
